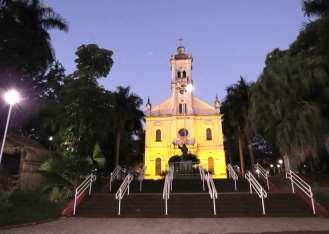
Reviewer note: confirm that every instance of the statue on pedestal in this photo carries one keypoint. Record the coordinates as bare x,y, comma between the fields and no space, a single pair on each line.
184,150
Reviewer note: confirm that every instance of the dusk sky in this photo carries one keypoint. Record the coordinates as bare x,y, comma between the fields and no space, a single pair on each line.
226,39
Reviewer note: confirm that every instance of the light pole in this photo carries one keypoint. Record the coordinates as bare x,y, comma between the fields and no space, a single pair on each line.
272,166
11,97
280,161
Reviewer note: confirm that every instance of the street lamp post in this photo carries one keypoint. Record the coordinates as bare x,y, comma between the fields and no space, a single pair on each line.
11,97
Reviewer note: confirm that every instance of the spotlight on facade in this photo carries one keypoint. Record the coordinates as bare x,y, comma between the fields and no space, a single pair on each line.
271,165
51,138
189,88
280,161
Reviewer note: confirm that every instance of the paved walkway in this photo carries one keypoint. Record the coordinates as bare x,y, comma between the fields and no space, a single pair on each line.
176,226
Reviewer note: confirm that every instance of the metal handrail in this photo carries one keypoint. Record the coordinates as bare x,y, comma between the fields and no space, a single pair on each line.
261,171
232,174
87,183
254,184
115,175
167,187
212,191
124,187
202,176
302,185
141,178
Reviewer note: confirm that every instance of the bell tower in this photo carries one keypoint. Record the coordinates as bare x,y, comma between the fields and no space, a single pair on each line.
181,81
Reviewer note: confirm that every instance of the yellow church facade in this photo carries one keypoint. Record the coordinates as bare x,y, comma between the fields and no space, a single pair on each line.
183,119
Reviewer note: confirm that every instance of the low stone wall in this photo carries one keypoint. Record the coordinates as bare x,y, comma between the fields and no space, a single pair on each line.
32,156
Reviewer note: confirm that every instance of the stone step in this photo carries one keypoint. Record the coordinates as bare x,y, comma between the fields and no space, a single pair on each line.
179,185
194,205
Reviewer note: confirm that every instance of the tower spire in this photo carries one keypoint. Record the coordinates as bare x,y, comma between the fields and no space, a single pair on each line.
217,103
180,42
148,107
180,48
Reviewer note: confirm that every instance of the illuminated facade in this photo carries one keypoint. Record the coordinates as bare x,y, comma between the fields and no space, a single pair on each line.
183,119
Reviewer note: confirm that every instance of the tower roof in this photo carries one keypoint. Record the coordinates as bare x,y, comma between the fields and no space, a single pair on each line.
166,108
181,54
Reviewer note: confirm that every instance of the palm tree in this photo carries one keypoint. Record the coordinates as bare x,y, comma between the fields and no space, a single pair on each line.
127,116
24,39
236,116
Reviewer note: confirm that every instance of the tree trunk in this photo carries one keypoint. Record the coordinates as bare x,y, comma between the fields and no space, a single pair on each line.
229,156
241,156
286,162
117,147
251,154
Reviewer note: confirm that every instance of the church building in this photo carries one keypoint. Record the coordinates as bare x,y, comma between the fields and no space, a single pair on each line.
183,119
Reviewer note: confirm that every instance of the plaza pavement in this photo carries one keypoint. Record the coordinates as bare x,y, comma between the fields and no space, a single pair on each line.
176,226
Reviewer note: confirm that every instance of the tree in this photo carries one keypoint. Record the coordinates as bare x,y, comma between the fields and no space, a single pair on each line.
84,112
42,124
93,62
127,116
85,105
24,40
284,103
236,117
319,10
316,7
26,54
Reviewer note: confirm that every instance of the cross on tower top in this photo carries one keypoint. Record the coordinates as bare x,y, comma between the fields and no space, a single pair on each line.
180,42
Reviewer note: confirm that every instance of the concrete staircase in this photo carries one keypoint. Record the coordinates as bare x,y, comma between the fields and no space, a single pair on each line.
188,200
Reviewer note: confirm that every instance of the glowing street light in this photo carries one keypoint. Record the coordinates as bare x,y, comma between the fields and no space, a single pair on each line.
12,97
280,161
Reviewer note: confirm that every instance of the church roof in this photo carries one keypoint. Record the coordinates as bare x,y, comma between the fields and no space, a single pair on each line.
199,107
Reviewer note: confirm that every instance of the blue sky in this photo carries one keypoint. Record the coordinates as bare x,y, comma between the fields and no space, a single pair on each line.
226,38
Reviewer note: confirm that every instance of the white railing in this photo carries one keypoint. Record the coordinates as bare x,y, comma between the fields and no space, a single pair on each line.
261,171
232,174
167,187
141,177
202,176
115,175
212,191
257,187
124,187
302,185
87,183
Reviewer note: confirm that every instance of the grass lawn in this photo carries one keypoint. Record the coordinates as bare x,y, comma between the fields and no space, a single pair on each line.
28,207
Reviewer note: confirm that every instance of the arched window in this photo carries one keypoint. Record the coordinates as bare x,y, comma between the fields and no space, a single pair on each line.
179,74
158,135
208,134
158,166
211,165
184,74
